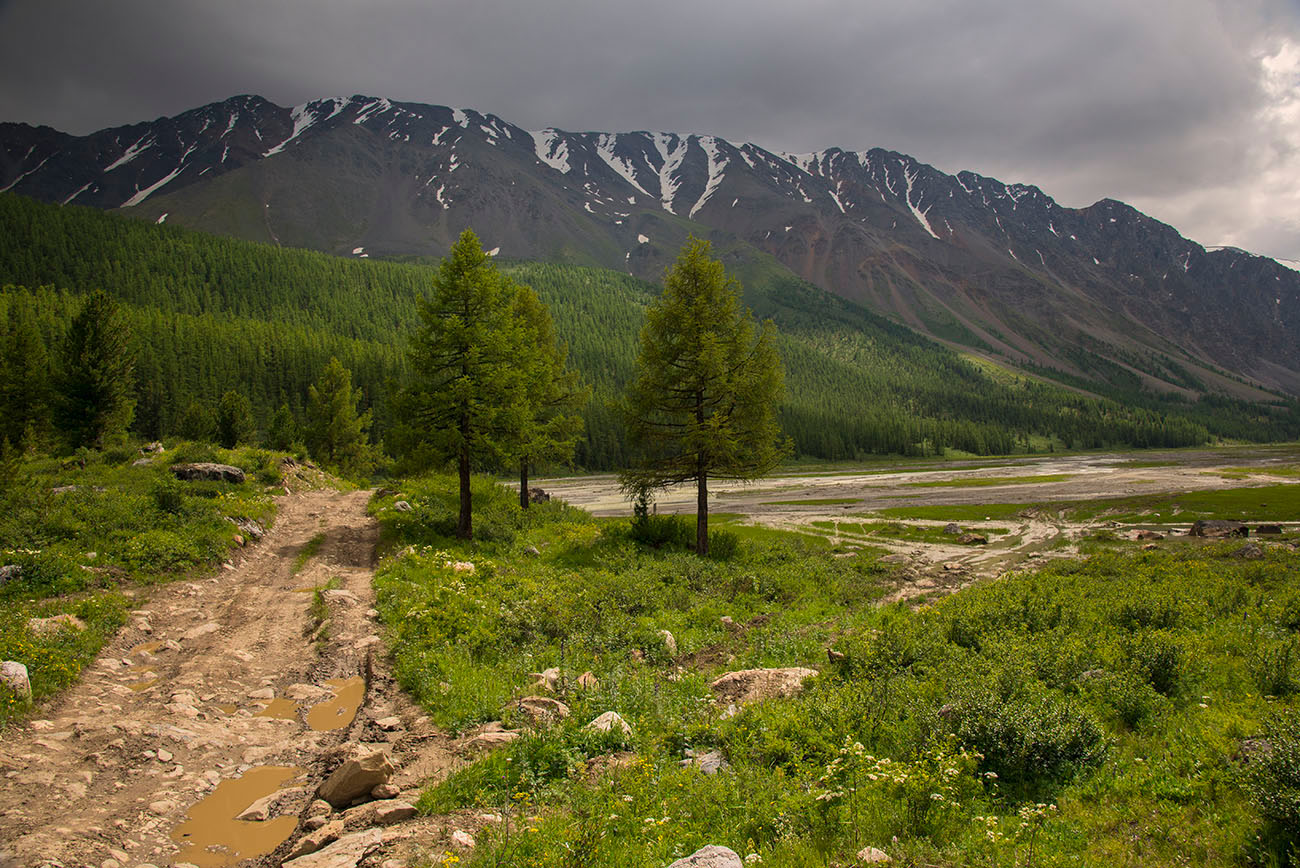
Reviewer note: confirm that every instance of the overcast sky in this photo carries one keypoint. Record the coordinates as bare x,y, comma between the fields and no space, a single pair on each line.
1187,109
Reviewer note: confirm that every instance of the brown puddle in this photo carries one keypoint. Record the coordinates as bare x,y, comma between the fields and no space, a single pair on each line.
212,837
338,712
145,647
228,709
141,686
281,709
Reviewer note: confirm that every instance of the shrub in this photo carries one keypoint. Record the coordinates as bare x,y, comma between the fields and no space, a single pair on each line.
1158,658
167,496
1273,776
1273,664
1029,738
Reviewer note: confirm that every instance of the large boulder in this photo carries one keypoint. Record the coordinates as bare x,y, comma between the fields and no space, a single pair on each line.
711,856
50,626
755,685
540,710
360,773
207,471
1213,527
14,676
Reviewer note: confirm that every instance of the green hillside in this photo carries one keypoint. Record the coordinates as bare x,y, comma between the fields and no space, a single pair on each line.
212,314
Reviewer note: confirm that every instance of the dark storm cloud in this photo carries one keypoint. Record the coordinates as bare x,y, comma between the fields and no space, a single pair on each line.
1165,103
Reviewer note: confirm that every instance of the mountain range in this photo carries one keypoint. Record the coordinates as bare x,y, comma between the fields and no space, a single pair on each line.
1102,297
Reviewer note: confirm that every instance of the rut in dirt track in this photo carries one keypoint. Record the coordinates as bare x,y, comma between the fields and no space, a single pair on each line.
104,774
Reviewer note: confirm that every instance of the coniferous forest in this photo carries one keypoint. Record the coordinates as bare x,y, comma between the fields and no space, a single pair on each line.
209,316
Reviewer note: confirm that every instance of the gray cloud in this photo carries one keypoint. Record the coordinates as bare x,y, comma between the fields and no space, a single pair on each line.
1168,104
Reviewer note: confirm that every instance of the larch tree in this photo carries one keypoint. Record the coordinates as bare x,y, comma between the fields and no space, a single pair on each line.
335,433
98,374
704,398
469,391
549,426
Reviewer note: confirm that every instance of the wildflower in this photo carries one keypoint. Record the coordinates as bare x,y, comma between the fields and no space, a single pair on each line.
753,859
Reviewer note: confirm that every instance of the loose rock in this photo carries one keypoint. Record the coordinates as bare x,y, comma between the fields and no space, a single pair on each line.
541,709
50,626
385,791
711,856
973,539
13,572
753,685
207,471
1249,552
1213,527
14,676
952,529
873,856
313,841
360,773
610,720
670,643
710,763
402,506
588,681
1266,529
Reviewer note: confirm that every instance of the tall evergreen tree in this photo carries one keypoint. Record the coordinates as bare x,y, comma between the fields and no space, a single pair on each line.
335,432
467,397
24,377
235,423
706,390
98,374
549,427
282,433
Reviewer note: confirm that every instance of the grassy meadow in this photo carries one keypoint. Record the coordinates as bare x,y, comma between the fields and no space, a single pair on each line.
1128,708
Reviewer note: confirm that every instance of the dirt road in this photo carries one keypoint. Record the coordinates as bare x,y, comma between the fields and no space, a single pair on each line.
218,684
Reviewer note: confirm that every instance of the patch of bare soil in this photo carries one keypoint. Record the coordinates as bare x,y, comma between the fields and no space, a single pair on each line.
225,687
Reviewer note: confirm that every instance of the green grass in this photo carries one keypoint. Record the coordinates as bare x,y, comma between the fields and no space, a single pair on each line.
308,551
1116,693
987,481
118,528
895,530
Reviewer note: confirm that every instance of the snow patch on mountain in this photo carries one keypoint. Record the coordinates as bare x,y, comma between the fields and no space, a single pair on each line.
303,117
141,195
672,150
605,146
921,216
551,149
142,144
717,171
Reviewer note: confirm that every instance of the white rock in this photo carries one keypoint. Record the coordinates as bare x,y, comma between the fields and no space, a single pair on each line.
670,642
610,720
873,856
14,676
711,856
461,838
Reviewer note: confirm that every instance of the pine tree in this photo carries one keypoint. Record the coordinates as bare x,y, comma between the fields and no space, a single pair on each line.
704,399
235,423
98,374
335,433
197,422
24,377
549,427
282,433
467,400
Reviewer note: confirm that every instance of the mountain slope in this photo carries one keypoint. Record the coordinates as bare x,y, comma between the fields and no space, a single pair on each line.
212,314
1103,293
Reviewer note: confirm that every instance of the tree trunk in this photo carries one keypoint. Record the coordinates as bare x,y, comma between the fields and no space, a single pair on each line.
523,483
702,514
464,525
